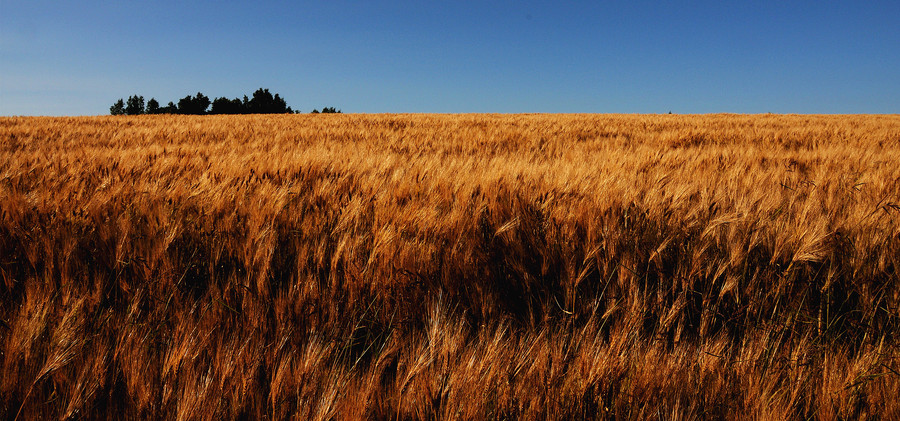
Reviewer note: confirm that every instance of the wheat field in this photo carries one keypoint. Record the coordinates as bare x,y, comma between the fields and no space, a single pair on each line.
450,267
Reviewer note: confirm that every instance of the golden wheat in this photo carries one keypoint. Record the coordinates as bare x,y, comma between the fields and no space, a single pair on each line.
450,267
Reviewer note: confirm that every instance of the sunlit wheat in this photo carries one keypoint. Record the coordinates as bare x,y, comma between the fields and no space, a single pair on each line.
450,267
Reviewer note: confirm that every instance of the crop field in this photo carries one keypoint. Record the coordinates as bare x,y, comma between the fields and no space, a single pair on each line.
625,267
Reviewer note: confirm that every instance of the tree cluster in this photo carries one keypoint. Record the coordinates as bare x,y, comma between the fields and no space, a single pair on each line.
326,110
262,102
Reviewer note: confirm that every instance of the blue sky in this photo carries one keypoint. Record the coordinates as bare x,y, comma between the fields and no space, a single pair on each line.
77,58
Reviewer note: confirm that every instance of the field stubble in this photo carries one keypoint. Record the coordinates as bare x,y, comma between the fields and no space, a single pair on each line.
450,266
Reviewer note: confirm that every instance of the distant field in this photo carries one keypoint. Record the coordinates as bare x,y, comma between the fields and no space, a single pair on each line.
450,267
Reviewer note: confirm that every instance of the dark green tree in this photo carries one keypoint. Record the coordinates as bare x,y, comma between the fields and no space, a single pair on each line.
202,102
152,106
185,105
170,108
134,105
193,104
118,108
263,102
224,105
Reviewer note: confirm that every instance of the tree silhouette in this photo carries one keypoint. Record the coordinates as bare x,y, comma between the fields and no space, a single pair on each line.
262,102
135,105
170,108
152,106
186,105
224,105
193,105
118,108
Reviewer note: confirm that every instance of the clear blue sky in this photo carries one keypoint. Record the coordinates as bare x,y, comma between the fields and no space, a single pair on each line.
77,58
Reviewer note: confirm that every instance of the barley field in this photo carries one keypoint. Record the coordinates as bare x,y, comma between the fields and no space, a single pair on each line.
612,267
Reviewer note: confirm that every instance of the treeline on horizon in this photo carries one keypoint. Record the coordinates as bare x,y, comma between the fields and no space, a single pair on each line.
262,102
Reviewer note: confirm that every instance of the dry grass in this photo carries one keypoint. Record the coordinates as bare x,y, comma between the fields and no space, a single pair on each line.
450,267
